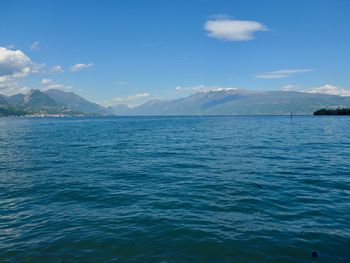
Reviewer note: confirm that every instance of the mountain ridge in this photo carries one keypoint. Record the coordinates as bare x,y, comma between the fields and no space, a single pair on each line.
49,102
75,102
214,102
241,102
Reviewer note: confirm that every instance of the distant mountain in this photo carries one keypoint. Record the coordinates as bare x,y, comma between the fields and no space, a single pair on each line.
75,102
215,102
3,100
9,110
121,109
36,99
239,102
49,102
16,99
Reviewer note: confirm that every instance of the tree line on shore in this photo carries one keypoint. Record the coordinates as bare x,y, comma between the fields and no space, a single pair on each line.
339,111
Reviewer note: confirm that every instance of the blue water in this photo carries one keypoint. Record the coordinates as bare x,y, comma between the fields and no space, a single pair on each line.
175,189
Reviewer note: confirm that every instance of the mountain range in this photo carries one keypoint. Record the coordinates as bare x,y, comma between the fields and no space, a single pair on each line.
238,102
48,102
214,102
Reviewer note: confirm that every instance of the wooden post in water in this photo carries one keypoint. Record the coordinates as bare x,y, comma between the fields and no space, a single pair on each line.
291,117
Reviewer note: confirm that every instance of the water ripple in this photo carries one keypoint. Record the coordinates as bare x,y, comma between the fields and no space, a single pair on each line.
177,189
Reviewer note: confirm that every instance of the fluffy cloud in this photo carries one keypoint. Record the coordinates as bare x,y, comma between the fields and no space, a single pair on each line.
279,74
34,46
80,66
233,30
14,63
325,89
56,69
50,84
330,89
9,86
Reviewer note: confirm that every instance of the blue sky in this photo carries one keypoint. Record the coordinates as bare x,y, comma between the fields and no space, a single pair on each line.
131,51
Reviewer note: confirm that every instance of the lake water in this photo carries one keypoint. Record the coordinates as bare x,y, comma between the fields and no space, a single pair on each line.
175,189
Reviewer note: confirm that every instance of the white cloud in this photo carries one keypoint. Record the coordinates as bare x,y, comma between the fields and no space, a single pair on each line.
330,89
279,74
9,86
138,96
50,84
290,87
14,63
202,88
325,89
38,68
56,69
80,66
130,100
34,46
195,88
233,30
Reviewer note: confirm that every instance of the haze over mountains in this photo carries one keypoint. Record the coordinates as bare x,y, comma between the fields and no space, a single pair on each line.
215,102
238,102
